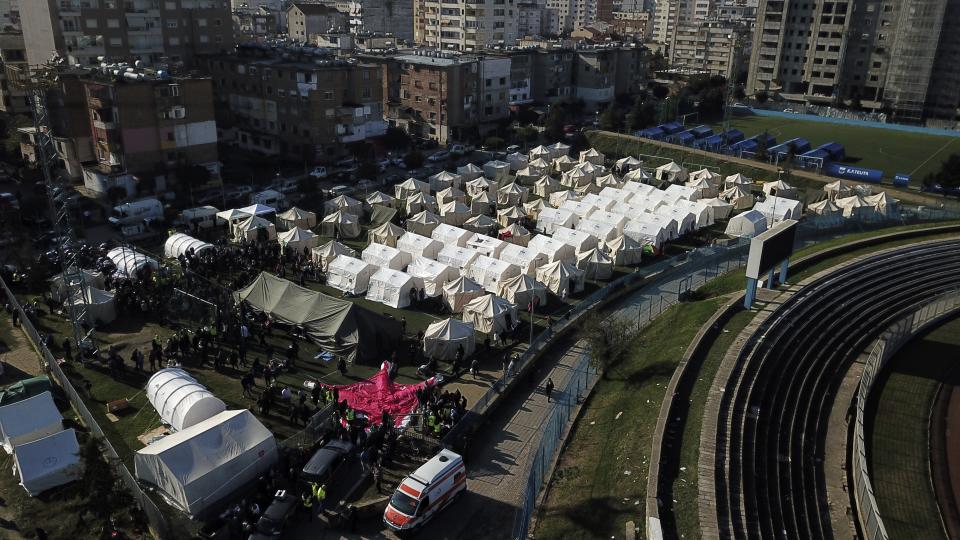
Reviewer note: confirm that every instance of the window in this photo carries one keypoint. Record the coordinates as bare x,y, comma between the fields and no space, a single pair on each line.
204,38
116,42
91,23
174,41
171,24
113,23
170,5
201,23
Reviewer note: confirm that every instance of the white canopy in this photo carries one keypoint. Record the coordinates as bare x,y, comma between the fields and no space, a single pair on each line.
721,208
410,186
628,163
443,180
392,287
739,197
825,207
512,194
383,256
486,245
561,278
563,164
450,194
257,209
703,188
129,261
510,215
378,197
89,278
442,339
326,253
637,176
423,223
854,206
496,170
747,224
482,203
781,189
711,177
581,241
387,234
527,259
551,219
595,264
450,235
838,189
625,251
533,208
180,400
481,224
490,272
671,172
349,274
515,234
458,257
433,274
538,152
616,194
419,202
598,229
559,149
298,239
540,164
419,246
254,229
675,192
528,175
646,233
101,306
479,185
545,185
517,161
469,172
179,244
341,225
199,466
581,209
455,213
297,217
557,198
736,180
459,293
233,215
48,462
523,289
777,209
576,177
702,212
554,250
490,314
610,218
28,420
592,156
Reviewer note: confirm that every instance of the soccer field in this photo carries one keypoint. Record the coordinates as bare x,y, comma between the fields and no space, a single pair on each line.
876,148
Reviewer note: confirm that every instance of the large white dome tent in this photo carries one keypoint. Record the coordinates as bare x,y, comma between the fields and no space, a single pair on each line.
180,400
179,244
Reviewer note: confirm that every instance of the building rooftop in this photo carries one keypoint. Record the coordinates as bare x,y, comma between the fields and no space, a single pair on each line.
314,9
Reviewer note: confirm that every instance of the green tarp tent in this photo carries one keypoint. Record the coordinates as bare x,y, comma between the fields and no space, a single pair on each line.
26,388
382,214
338,326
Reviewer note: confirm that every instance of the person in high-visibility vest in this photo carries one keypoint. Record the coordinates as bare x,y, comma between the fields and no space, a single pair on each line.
306,499
432,423
321,495
350,415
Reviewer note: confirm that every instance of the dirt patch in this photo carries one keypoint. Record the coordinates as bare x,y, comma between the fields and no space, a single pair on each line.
21,360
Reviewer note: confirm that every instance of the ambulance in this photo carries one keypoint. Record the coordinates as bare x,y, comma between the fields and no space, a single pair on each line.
426,491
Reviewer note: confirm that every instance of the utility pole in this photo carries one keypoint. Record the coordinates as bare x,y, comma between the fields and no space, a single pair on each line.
737,47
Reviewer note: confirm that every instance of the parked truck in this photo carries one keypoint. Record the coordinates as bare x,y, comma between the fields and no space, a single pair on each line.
145,210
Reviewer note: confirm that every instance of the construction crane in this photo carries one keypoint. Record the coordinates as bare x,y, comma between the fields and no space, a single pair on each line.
36,82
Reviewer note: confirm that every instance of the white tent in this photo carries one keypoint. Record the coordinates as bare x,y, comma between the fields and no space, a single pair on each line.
344,204
592,155
777,209
557,198
479,185
552,218
486,245
646,232
545,185
527,259
89,278
450,235
540,165
469,172
747,224
703,188
392,287
610,218
418,202
496,170
340,225
419,246
201,465
528,175
598,229
383,256
616,194
637,176
667,223
232,216
443,338
855,207
640,191
576,177
326,253
581,241
563,164
298,239
533,208
517,161
433,274
410,186
297,217
481,224
254,229
423,223
538,152
885,206
671,172
838,189
628,163
101,306
48,462
702,212
581,209
28,420
512,194
387,234
510,215
736,180
450,194
459,293
258,209
597,202
179,244
721,208
686,220
781,189
675,192
490,314
559,149
378,197
129,261
740,198
553,250
458,257
482,203
523,289
455,213
180,400
826,207
607,181
515,234
595,264
561,278
490,272
705,174
350,275
443,180
624,251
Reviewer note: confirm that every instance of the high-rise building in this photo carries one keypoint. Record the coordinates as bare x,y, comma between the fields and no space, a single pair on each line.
10,15
715,47
12,55
367,17
885,55
529,19
564,16
462,25
84,31
668,15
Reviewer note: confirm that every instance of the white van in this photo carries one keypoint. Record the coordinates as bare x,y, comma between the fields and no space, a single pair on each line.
136,212
203,217
270,197
426,491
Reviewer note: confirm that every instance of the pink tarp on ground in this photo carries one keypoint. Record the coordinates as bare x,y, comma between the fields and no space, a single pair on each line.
379,393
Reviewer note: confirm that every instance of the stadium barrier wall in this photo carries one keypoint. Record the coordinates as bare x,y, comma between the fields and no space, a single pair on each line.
857,123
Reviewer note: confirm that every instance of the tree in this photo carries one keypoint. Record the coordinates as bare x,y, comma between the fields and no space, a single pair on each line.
191,176
609,339
396,139
526,133
762,96
949,174
99,482
739,94
660,91
611,119
527,116
494,142
369,168
761,153
10,125
413,160
553,123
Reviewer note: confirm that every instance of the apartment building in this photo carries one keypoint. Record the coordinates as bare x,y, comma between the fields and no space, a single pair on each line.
529,19
564,16
715,48
12,55
297,103
169,31
307,20
378,17
462,25
632,23
261,22
668,15
888,55
10,15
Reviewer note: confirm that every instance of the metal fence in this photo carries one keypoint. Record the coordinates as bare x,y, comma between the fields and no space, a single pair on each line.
159,525
886,346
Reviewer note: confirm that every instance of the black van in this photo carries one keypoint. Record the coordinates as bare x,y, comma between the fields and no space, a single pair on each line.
325,462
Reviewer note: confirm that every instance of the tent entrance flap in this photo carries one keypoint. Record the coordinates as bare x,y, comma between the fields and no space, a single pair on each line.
337,326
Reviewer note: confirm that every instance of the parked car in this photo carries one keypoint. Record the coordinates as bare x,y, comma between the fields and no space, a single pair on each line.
346,163
273,522
326,461
437,157
336,191
513,148
366,185
462,149
318,172
399,162
383,164
287,186
9,200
